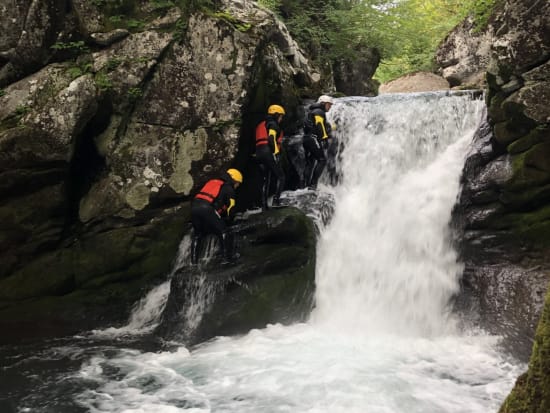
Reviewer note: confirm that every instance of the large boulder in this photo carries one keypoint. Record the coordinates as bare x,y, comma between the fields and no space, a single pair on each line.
415,82
463,57
353,77
29,30
273,281
504,206
92,280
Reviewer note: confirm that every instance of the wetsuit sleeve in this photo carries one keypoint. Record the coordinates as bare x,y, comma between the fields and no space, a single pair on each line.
273,144
321,126
273,131
228,200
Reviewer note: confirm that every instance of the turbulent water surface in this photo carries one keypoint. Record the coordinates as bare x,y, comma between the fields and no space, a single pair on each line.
382,337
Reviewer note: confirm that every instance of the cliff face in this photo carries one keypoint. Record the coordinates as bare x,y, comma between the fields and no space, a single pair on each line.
504,207
107,124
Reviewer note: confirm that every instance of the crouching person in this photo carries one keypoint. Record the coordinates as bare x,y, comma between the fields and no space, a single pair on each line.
210,209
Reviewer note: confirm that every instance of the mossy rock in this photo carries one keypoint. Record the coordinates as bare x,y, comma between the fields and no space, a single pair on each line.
272,282
526,142
505,133
531,393
532,227
539,157
50,274
527,199
515,123
80,279
494,108
526,172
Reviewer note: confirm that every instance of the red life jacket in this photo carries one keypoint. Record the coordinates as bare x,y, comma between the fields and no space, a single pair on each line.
210,191
261,135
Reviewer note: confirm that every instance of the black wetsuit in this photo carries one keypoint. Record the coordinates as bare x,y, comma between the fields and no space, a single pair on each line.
317,132
268,141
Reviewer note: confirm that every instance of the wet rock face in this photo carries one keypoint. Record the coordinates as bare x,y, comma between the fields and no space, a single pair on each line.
125,125
271,282
504,207
505,278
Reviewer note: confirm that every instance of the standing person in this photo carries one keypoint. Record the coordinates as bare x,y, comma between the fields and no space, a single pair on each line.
210,206
317,132
268,141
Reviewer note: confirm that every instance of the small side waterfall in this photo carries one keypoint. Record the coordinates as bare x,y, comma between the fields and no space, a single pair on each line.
146,313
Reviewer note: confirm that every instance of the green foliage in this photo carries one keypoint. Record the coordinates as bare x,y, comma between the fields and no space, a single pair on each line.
236,23
112,64
481,11
405,32
74,72
161,5
270,4
2,92
103,82
21,110
181,29
116,19
134,93
134,24
78,47
80,69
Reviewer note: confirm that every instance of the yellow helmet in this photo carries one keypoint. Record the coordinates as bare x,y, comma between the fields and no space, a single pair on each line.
275,109
235,175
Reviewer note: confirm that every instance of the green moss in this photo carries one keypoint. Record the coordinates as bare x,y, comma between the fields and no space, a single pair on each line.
524,175
482,11
103,82
531,393
532,197
130,253
50,274
524,143
236,23
532,227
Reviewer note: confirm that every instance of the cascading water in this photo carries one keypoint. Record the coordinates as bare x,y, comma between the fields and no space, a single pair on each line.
382,338
386,262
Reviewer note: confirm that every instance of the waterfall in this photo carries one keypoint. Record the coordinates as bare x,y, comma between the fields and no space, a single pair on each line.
382,337
386,262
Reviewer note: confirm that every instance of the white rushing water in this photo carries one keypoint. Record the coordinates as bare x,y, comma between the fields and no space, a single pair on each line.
382,338
145,315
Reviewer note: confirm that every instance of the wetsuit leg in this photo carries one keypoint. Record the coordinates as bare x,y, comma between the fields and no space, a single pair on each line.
317,160
198,231
273,169
205,218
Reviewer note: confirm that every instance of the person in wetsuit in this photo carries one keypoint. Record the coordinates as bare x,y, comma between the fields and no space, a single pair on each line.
317,132
210,207
269,137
